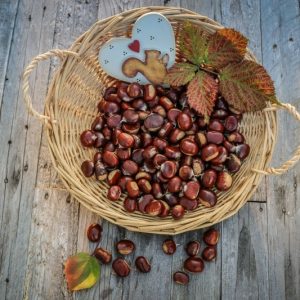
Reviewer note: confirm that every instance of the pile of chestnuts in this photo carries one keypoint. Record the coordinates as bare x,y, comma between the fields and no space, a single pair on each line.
154,147
193,264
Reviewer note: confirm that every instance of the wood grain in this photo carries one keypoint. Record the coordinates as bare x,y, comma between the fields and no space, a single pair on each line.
40,224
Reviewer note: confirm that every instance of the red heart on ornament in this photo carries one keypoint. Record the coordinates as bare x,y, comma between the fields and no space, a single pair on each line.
134,46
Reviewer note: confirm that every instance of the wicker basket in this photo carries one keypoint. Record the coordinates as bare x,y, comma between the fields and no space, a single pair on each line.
70,108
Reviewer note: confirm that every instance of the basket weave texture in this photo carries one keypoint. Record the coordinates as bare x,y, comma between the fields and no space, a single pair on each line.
71,105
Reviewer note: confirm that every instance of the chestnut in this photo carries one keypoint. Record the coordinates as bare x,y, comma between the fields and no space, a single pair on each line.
122,182
214,137
125,140
192,248
188,204
185,173
110,158
165,209
88,168
207,198
110,90
209,178
97,157
171,199
143,264
146,139
123,153
172,114
198,166
194,264
159,110
184,121
220,114
153,122
121,267
103,255
113,121
122,92
235,137
125,247
137,156
158,160
242,150
169,246
188,147
168,169
132,189
224,181
209,253
157,190
160,143
177,211
144,185
98,124
100,171
149,92
211,237
130,204
216,125
154,208
166,102
109,146
174,184
173,152
181,278
130,116
222,156
191,190
201,139
94,232
143,175
231,123
114,193
149,152
233,163
88,138
176,135
129,167
165,130
209,152
134,90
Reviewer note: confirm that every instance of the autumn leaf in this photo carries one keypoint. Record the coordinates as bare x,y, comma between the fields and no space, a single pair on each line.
180,74
236,38
221,52
202,93
247,86
81,271
193,43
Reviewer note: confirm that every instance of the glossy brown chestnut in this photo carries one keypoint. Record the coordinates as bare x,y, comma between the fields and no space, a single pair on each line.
103,255
113,177
191,189
107,133
88,168
122,92
100,171
160,143
211,237
224,181
168,169
174,184
209,152
143,264
177,211
198,166
207,198
181,278
134,90
165,130
194,264
125,247
157,190
94,232
235,137
149,92
97,157
166,102
185,173
173,152
129,167
109,146
172,114
171,199
169,246
144,185
153,122
110,158
184,121
209,178
188,147
114,121
188,204
121,267
114,193
132,189
165,209
141,175
233,163
158,160
176,135
214,137
130,116
122,182
192,248
216,125
98,123
221,158
137,156
149,152
209,253
154,208
242,150
125,140
130,204
123,153
201,139
88,138
231,123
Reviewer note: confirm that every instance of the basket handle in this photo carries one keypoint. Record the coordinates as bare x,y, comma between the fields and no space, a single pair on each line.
27,98
296,156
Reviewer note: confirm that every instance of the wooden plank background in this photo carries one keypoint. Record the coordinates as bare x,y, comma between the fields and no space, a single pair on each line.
40,225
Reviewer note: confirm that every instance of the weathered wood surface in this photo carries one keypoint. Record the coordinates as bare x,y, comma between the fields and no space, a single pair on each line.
40,225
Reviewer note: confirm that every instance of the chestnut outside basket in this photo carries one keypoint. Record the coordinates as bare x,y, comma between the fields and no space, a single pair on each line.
71,106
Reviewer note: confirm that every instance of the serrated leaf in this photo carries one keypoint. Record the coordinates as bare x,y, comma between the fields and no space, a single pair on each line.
180,74
236,38
247,86
202,93
81,271
193,43
221,52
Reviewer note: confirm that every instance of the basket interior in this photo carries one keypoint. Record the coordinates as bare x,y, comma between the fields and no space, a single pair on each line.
72,101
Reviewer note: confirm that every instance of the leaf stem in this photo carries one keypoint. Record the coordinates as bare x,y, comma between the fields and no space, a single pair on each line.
208,71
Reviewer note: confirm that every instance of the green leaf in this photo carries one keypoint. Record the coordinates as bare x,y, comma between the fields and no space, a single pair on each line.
236,38
193,44
202,93
180,74
247,86
82,271
221,52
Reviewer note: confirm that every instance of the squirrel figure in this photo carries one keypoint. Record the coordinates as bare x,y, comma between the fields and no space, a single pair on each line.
154,67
